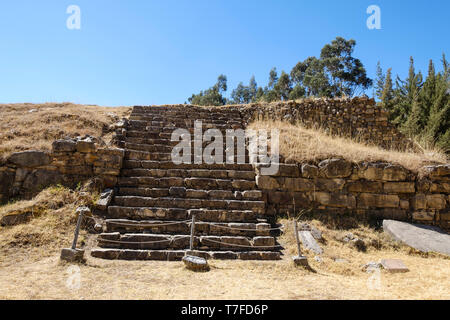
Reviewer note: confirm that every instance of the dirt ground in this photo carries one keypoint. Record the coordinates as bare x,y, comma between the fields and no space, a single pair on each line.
35,272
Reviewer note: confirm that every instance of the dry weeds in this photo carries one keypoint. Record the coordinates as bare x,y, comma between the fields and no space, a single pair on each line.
301,144
30,269
36,126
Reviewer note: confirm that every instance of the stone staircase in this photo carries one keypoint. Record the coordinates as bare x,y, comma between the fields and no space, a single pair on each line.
155,200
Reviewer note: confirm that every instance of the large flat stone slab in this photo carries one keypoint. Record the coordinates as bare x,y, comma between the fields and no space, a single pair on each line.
309,242
420,237
394,266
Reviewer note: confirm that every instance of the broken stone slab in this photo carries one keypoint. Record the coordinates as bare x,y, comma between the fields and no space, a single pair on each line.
420,237
30,159
394,266
309,242
72,255
105,200
196,264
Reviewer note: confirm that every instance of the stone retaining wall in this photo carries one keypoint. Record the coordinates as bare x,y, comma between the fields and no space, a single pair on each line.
69,163
371,190
358,118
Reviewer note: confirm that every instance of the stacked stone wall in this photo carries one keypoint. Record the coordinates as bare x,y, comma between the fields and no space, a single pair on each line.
357,118
70,163
370,190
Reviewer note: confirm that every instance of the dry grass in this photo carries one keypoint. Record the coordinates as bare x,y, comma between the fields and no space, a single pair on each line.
36,126
30,269
301,144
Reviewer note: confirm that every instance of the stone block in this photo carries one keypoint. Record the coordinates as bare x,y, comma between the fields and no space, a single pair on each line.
30,159
196,264
394,266
423,216
364,186
394,173
85,146
336,168
436,201
335,199
267,183
64,146
370,200
297,184
309,171
399,187
72,255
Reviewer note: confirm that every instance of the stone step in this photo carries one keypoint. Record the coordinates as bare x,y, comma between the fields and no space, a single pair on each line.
154,126
158,148
184,227
158,156
168,147
190,173
172,255
188,183
187,113
182,192
182,122
189,203
146,241
146,164
181,214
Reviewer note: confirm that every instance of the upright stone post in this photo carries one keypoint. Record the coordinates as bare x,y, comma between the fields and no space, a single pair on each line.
191,243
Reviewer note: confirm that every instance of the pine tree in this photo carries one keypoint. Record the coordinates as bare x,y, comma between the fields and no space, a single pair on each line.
387,92
379,82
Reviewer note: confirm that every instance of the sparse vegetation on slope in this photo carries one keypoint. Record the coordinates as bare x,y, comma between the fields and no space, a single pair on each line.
36,126
301,144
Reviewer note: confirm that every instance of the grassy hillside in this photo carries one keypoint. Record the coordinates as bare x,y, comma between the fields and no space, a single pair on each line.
36,126
301,144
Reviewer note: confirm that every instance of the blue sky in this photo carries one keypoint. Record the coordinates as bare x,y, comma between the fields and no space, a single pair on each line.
160,52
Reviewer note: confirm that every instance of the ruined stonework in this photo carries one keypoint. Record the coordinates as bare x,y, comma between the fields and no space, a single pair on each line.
357,118
70,163
150,200
369,190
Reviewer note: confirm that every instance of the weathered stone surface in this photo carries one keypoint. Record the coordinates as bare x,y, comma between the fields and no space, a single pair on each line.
336,168
364,186
30,159
266,182
264,242
423,216
85,146
72,255
394,266
105,199
370,200
300,261
420,237
64,146
179,192
399,187
331,185
394,173
436,201
40,179
335,199
309,171
309,243
438,171
297,184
